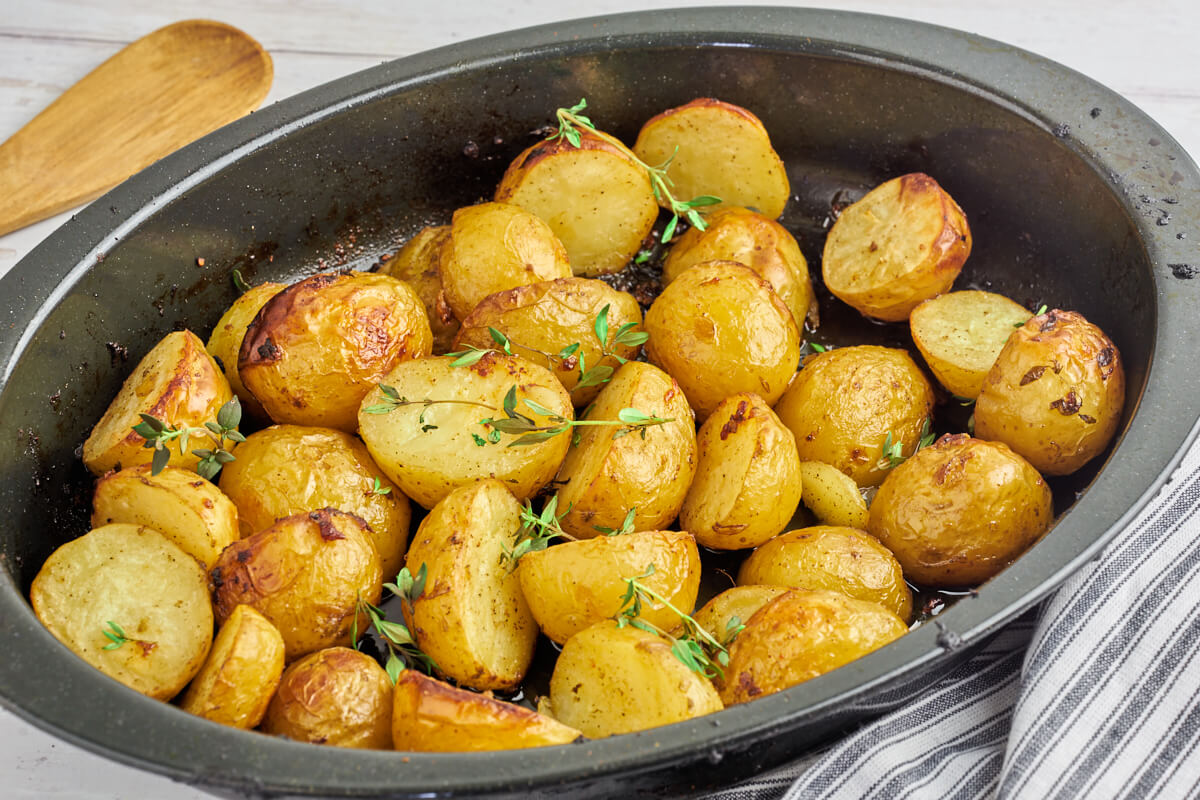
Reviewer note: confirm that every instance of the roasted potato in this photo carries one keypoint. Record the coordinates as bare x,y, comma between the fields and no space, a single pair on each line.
178,383
721,616
417,263
718,149
902,243
131,603
648,687
832,495
802,634
472,618
576,584
846,404
226,340
720,329
543,319
429,436
238,680
307,574
959,511
289,469
842,560
610,472
595,197
748,482
336,696
1055,393
432,716
319,345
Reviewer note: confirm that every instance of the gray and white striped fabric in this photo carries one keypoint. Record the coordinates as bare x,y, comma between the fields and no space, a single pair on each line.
1094,694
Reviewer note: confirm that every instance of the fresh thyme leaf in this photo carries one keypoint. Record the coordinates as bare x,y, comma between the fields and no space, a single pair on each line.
536,531
402,647
379,488
569,350
626,526
927,435
510,401
499,338
595,376
465,358
642,257
239,282
158,462
116,636
601,327
545,412
818,348
479,440
669,231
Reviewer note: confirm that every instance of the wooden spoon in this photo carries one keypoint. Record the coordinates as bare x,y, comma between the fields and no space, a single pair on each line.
151,98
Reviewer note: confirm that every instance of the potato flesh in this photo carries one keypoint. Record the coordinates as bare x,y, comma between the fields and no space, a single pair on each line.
417,263
338,697
238,680
226,341
735,605
832,496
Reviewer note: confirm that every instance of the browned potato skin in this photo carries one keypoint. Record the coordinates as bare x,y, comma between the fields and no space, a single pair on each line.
802,634
179,383
837,559
417,264
749,238
338,697
573,585
843,403
317,347
306,575
748,483
1055,393
434,717
226,341
543,318
604,477
290,469
720,329
960,510
885,269
740,601
243,669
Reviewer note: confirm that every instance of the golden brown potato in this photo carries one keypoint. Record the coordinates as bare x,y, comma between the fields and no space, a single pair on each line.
431,716
720,329
428,450
617,680
748,482
729,610
1055,393
845,404
226,340
802,634
178,383
595,197
497,246
542,319
716,148
472,619
337,696
576,584
960,510
902,243
131,603
837,559
961,333
832,495
609,472
417,264
177,503
306,574
241,674
319,345
289,469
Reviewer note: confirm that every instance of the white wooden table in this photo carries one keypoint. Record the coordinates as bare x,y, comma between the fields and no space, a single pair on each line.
1147,52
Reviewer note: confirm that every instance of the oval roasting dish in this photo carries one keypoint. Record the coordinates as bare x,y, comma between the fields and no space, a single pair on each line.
1075,197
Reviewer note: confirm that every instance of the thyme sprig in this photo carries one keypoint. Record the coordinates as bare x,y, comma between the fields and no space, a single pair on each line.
115,635
626,525
528,431
1041,310
392,400
536,531
893,451
403,651
159,435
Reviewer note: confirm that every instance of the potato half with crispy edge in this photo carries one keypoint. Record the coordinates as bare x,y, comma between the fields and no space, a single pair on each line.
238,680
839,559
611,679
417,264
306,574
716,148
318,346
904,242
802,634
428,450
576,584
225,342
176,502
178,383
543,319
596,198
131,603
608,473
832,495
961,333
435,717
338,697
472,618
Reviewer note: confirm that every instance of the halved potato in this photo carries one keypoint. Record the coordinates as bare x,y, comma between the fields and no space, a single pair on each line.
178,383
226,340
902,243
832,495
176,502
740,603
336,696
417,263
131,603
238,680
716,148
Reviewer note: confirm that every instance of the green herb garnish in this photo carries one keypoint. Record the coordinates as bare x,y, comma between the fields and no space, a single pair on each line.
159,435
